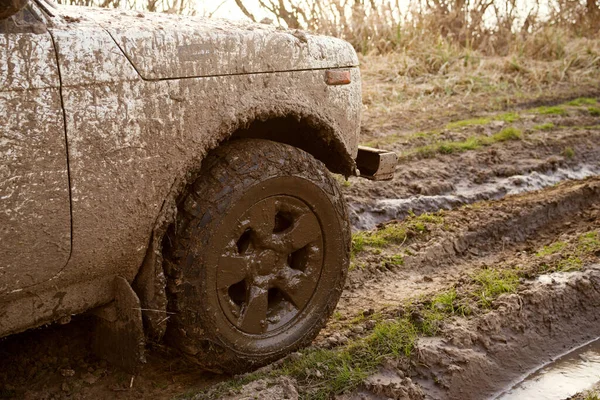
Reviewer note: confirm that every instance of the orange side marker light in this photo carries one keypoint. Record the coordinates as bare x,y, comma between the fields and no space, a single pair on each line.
337,77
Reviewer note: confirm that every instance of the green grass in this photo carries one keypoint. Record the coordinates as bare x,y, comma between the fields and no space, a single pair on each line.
595,111
395,260
569,152
328,372
583,101
554,248
570,263
509,117
494,282
472,143
592,396
589,242
395,233
550,110
449,303
505,134
442,306
544,127
389,234
458,147
572,255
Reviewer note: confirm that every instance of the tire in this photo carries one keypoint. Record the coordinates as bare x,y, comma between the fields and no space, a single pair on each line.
258,257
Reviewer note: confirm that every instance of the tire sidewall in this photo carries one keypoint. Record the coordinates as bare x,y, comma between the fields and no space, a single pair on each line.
312,184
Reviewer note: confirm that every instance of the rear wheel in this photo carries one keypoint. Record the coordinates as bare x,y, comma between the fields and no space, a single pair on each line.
258,257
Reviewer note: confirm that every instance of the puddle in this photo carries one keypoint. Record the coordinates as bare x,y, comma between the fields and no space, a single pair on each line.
368,216
574,372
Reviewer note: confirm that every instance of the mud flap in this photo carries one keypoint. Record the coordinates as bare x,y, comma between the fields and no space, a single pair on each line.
376,164
119,332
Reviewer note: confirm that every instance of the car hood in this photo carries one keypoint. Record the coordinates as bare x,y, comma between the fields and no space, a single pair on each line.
163,46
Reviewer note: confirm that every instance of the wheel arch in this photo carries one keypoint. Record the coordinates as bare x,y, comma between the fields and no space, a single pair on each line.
317,135
306,132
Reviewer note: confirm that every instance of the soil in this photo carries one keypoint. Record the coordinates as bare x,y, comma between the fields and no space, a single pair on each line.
502,204
450,180
57,362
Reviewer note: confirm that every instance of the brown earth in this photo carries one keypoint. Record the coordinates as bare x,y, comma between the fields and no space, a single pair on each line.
445,181
469,239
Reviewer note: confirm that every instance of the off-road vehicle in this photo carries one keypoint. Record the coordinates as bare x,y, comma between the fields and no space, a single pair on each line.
171,175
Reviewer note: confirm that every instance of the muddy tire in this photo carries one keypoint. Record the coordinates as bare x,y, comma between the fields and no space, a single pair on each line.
258,256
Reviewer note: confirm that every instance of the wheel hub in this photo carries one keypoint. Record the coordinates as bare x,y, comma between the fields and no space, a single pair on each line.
270,264
266,263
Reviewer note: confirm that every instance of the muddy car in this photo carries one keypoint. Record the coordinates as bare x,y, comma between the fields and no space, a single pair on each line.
172,176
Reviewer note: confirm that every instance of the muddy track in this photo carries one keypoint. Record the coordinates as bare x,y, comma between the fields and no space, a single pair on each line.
510,221
478,358
470,236
450,180
472,357
477,159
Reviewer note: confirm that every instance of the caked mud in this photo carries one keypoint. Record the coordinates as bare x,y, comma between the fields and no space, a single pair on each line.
520,205
478,358
481,353
437,169
464,192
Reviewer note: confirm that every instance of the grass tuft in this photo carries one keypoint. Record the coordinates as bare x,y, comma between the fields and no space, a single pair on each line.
572,256
544,127
472,143
509,117
569,152
583,101
458,147
550,110
594,111
394,233
554,248
589,242
494,282
509,133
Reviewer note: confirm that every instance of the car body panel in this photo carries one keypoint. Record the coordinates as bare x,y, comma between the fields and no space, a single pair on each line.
135,144
35,221
185,47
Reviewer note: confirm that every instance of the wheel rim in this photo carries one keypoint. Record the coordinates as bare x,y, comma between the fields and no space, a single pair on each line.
270,264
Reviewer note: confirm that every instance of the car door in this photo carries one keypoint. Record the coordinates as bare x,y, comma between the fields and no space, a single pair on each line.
35,220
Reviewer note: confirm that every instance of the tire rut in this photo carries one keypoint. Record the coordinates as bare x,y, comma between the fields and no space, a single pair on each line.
475,234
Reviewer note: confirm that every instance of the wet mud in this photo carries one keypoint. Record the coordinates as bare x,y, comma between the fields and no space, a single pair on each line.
481,355
446,181
57,362
501,204
571,373
477,358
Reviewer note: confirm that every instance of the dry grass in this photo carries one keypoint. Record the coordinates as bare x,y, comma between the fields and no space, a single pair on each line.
425,87
493,27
